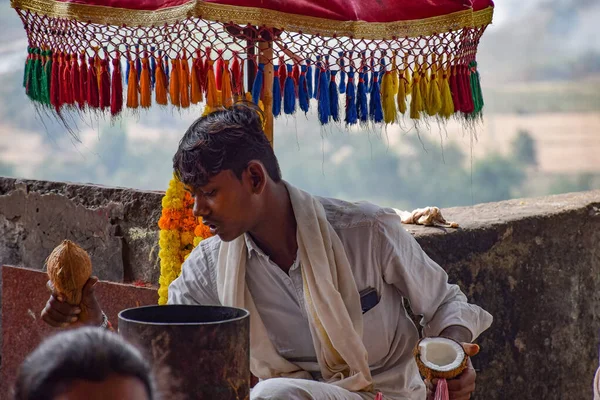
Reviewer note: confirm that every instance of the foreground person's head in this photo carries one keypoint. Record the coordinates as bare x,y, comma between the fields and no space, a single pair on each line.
227,162
87,364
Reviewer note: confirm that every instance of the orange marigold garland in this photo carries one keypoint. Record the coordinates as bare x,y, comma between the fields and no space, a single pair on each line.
180,232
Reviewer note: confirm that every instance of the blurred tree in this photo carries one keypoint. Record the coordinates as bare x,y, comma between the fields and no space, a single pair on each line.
524,149
496,178
578,183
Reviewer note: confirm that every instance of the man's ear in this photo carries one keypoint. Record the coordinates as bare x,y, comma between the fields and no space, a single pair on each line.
257,176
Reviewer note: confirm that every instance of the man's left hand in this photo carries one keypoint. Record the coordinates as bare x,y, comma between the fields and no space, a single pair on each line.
461,387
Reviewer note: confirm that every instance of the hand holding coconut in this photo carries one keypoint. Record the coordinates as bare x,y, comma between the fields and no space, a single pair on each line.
72,301
446,366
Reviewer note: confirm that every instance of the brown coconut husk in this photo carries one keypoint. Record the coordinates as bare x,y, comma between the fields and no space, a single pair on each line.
69,268
429,373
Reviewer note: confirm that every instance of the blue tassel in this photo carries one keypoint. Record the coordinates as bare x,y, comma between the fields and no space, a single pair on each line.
351,116
309,79
138,61
361,99
342,73
375,107
334,104
324,106
276,92
317,76
128,67
326,66
289,92
303,95
372,76
152,67
258,83
166,69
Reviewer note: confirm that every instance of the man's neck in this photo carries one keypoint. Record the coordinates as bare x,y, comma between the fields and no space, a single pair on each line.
276,234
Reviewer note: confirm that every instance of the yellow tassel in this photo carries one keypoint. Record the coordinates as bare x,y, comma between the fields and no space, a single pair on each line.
416,101
145,89
212,97
226,92
447,103
132,87
407,77
196,95
395,78
434,103
174,82
424,82
387,97
248,96
161,84
184,81
401,97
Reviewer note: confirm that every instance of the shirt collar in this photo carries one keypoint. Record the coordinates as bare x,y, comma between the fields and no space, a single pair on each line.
252,247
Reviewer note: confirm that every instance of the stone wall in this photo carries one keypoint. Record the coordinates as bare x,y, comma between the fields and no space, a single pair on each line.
533,263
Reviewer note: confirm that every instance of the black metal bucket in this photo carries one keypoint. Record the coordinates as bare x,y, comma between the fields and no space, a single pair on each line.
205,348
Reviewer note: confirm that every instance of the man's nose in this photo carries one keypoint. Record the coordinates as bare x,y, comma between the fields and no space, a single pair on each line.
201,208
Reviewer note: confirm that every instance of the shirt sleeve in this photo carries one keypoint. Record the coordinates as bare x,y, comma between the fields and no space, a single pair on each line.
197,283
424,283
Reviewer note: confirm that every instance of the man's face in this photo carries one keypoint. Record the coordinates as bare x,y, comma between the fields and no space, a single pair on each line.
225,204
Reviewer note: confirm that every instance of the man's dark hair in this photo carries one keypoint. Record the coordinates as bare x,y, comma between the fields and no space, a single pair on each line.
90,354
225,139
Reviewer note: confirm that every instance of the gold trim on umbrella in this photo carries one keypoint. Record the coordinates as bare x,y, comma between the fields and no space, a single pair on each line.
259,17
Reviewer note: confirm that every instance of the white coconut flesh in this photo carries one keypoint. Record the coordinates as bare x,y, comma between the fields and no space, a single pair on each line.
441,354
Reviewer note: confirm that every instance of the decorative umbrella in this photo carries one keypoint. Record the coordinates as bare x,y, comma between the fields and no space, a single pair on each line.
361,61
390,58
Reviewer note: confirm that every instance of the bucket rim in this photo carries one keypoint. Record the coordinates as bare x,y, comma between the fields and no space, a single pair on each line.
246,314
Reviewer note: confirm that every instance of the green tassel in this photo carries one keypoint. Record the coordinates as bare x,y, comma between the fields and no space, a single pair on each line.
47,77
27,67
476,92
36,75
28,72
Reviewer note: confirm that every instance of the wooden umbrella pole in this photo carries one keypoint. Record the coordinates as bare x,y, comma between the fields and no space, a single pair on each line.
266,58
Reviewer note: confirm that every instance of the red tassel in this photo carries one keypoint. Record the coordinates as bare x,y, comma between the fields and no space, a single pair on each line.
220,66
116,99
236,76
104,83
470,104
55,83
463,95
82,81
75,81
65,77
454,89
282,74
93,98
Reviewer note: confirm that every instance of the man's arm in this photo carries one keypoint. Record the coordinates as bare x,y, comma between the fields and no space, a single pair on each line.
425,284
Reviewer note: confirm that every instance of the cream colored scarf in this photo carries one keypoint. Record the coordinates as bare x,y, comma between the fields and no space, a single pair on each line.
331,295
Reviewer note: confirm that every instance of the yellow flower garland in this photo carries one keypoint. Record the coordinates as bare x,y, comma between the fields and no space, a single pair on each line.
179,233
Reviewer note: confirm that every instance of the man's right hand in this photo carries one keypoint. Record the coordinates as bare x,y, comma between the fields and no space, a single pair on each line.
60,314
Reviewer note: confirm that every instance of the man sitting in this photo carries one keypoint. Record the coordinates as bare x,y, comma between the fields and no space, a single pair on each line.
323,279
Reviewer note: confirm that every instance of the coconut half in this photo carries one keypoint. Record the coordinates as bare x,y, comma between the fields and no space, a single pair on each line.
440,357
